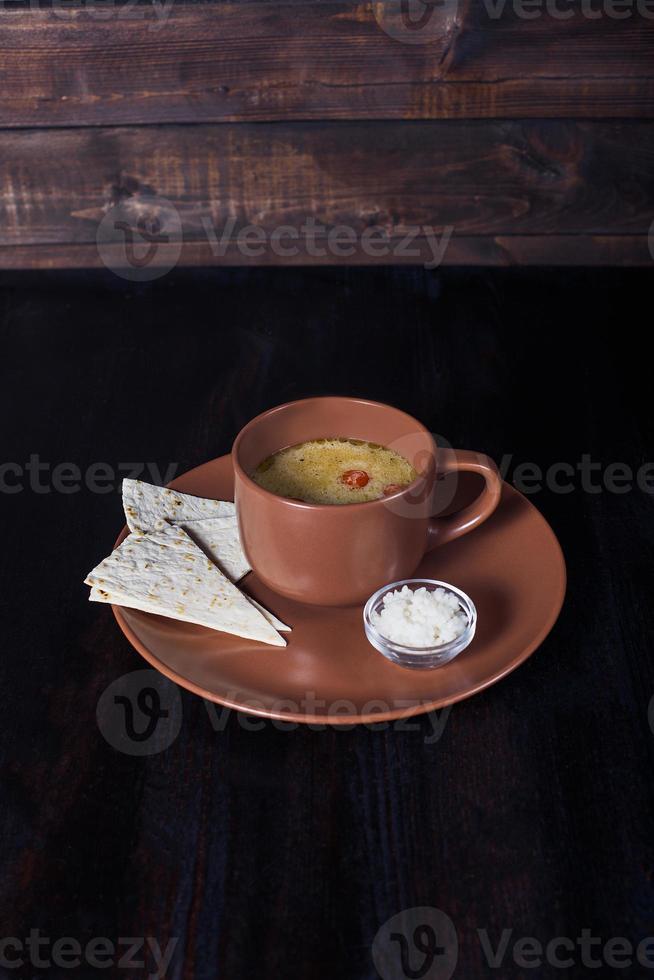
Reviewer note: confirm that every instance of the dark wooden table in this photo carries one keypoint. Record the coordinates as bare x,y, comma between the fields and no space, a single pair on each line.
523,128
279,854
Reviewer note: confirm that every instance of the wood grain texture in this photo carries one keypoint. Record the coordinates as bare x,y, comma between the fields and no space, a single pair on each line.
504,190
501,250
279,854
345,60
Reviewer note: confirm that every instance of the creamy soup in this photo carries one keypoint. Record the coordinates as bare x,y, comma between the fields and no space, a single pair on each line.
334,471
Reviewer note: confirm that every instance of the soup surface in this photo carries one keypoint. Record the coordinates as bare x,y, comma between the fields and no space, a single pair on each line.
334,471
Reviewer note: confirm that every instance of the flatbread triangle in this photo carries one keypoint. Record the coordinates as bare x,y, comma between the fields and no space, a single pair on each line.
218,537
97,595
148,507
165,572
211,523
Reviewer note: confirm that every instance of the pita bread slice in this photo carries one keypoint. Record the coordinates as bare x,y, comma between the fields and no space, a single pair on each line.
96,595
147,507
164,572
219,539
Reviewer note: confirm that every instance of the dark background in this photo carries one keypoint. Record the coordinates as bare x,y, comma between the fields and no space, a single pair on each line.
281,853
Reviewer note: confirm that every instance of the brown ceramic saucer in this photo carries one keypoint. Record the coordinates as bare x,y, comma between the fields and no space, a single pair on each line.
511,566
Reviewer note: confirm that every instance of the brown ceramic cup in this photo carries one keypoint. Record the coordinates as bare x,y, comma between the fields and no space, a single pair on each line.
338,555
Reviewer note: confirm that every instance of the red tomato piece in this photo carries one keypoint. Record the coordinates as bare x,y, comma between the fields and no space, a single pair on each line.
355,478
392,488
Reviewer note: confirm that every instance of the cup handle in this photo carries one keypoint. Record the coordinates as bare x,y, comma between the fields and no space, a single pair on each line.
444,529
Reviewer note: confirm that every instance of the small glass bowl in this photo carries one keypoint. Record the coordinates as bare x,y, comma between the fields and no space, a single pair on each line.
419,657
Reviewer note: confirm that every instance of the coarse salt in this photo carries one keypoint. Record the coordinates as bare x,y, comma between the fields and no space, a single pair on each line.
420,618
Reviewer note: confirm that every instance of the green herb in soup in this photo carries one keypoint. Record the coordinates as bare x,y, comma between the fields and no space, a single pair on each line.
334,471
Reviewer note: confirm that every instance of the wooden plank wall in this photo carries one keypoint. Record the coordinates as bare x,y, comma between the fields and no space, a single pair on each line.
519,140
